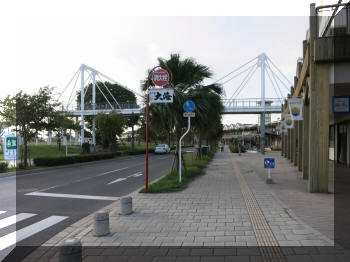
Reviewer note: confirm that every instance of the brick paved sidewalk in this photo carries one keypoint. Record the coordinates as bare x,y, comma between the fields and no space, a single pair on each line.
230,206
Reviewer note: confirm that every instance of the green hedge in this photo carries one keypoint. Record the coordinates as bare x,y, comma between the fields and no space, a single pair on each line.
56,161
65,160
234,148
3,167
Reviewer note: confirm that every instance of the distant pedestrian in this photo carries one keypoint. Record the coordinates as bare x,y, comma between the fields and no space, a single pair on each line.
222,147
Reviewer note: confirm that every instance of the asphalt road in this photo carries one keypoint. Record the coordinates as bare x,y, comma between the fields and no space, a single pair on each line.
47,201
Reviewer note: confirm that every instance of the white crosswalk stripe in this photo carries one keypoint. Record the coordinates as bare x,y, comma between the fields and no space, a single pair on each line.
13,219
20,234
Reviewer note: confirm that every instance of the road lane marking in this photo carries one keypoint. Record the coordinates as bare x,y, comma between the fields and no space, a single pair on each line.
2,212
85,165
14,219
83,179
105,173
116,181
125,178
136,174
37,193
17,236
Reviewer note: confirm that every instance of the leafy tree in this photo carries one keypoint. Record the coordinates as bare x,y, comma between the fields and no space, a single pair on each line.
109,126
122,95
131,121
29,114
2,127
60,122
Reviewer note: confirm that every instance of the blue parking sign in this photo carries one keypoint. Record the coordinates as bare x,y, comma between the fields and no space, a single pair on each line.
189,106
269,163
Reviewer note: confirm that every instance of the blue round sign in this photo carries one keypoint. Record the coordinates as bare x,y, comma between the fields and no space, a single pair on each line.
189,106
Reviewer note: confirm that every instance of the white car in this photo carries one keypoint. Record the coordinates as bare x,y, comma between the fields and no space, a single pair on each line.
162,149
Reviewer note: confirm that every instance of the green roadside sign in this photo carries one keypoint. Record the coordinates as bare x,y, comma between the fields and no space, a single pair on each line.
11,143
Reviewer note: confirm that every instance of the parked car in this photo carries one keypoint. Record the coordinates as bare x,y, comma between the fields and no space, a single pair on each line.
162,149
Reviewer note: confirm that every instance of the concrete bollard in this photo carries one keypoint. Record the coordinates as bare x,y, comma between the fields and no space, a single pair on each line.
126,206
71,251
101,224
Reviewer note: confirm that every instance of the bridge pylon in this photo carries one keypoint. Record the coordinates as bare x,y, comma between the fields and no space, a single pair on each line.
262,105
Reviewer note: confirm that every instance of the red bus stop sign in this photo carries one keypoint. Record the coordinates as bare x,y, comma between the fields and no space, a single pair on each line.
160,77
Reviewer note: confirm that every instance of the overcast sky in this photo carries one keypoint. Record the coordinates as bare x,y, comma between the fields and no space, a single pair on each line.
46,45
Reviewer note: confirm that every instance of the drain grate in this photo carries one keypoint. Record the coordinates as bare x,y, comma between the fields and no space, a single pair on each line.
269,247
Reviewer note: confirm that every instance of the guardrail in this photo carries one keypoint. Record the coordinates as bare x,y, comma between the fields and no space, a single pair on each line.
112,106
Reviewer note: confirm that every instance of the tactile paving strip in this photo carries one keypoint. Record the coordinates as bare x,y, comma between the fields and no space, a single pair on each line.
269,247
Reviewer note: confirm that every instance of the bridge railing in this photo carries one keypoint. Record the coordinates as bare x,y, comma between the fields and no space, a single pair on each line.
251,102
90,106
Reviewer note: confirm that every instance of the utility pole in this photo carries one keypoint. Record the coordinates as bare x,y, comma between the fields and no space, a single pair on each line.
94,108
82,68
262,60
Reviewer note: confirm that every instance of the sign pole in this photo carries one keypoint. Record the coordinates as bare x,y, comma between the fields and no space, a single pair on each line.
159,78
180,164
147,130
269,163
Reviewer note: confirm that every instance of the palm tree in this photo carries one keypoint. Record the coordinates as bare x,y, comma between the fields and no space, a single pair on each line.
207,122
188,78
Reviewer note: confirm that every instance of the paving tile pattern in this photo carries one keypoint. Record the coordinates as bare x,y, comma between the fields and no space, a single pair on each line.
208,221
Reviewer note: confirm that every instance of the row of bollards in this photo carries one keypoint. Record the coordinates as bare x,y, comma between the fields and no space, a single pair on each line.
71,249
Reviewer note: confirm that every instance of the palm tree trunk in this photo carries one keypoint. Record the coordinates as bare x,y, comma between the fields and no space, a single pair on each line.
200,144
132,139
25,153
169,139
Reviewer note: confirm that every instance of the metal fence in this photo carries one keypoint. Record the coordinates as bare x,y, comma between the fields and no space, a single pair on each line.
333,20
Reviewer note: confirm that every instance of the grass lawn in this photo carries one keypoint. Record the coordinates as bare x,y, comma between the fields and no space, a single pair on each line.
138,146
45,150
170,182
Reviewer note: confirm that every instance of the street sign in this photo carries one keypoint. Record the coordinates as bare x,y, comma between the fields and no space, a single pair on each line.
189,114
269,163
341,104
165,95
10,147
160,77
189,106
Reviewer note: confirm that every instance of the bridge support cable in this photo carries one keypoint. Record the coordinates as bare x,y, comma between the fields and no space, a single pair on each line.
75,84
115,82
279,95
235,70
92,76
274,79
109,91
244,79
103,95
269,60
238,74
86,84
246,82
279,79
64,90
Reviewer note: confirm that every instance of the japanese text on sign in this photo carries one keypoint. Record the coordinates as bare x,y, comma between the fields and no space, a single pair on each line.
161,95
160,77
